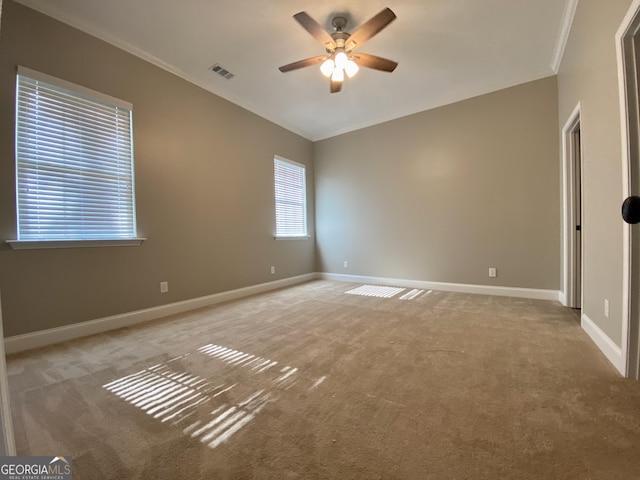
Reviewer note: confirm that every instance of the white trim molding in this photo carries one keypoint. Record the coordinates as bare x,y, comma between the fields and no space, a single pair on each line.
621,34
563,34
47,244
538,294
52,336
7,443
568,213
562,298
607,346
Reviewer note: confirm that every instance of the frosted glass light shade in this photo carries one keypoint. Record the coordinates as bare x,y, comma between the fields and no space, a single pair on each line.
341,60
338,75
327,67
351,68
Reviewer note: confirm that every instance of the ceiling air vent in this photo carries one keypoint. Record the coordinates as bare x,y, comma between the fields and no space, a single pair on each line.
223,72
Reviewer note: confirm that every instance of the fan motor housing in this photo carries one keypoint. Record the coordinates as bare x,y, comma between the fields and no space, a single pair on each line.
339,23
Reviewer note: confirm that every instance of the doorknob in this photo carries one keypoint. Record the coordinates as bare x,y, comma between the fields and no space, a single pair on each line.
631,210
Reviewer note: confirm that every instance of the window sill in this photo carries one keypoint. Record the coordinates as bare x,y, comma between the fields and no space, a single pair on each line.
42,244
292,237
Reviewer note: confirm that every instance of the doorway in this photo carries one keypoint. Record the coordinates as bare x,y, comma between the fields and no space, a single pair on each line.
572,179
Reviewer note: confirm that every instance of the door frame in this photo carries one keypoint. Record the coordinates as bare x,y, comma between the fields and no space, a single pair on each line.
7,441
572,286
629,88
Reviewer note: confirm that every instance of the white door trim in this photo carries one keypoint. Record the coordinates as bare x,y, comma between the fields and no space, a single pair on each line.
623,32
568,211
7,442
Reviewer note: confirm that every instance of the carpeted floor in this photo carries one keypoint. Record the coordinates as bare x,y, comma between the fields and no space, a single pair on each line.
314,383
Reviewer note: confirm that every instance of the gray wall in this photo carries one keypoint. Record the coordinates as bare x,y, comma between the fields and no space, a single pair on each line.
204,184
588,74
445,194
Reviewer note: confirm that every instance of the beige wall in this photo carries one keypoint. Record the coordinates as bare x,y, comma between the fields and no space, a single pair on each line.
438,196
445,194
204,184
588,74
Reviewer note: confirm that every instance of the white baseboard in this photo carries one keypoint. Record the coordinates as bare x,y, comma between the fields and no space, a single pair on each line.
607,346
448,287
562,298
51,336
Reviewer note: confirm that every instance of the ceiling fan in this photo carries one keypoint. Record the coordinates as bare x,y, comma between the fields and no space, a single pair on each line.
341,57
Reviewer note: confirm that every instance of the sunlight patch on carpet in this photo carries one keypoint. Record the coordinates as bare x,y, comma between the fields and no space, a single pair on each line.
234,357
232,419
415,293
318,382
163,393
169,395
376,291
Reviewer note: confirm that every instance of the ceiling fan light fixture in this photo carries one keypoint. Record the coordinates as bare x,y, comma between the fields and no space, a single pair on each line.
341,59
351,68
327,67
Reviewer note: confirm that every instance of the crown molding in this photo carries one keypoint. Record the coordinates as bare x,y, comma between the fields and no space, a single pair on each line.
563,35
49,9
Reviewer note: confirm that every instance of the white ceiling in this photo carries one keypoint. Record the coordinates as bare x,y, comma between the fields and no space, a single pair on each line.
447,50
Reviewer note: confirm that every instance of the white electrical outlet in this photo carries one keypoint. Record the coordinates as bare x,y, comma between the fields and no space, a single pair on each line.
345,264
606,308
273,269
493,272
164,287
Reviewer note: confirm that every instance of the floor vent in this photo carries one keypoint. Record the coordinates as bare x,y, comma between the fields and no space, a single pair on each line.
223,72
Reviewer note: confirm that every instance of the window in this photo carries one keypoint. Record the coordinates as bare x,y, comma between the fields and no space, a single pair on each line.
291,198
74,163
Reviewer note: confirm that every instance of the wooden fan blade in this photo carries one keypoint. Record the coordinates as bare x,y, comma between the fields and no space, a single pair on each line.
370,28
335,86
377,63
316,31
307,62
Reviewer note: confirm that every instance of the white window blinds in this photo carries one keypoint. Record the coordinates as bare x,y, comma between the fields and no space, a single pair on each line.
291,199
74,162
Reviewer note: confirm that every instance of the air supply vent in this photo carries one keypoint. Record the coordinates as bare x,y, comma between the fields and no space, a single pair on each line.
223,72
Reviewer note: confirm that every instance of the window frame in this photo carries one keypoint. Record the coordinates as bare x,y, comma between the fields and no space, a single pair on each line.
83,94
298,236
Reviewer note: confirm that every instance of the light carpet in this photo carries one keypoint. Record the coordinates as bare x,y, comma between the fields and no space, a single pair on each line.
310,382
